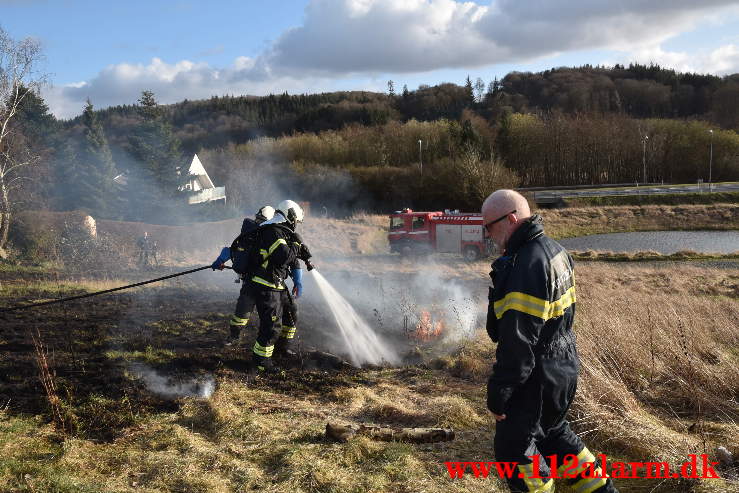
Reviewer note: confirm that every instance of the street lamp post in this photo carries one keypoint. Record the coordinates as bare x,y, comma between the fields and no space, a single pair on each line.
420,156
710,164
644,156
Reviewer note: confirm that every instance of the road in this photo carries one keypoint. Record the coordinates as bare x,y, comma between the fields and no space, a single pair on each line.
553,195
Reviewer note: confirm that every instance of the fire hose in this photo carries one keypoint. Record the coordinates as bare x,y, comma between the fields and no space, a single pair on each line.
96,293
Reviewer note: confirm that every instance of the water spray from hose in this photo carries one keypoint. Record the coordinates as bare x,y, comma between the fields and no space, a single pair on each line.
362,344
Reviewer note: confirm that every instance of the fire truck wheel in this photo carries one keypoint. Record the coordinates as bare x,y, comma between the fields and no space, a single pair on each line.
471,253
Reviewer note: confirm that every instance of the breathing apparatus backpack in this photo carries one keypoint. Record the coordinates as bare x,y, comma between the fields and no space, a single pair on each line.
245,252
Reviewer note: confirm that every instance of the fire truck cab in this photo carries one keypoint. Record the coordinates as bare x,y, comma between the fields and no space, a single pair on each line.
442,232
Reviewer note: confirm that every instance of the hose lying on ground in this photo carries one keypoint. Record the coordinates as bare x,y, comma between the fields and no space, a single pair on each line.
87,295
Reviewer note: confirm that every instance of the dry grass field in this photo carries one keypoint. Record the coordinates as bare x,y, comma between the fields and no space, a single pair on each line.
658,343
660,380
578,221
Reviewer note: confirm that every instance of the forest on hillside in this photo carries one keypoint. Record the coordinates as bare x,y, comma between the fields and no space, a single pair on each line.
443,146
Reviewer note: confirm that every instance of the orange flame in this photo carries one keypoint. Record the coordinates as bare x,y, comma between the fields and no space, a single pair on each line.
428,327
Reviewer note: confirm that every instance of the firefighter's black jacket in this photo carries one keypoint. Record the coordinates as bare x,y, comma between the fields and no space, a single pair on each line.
531,309
278,250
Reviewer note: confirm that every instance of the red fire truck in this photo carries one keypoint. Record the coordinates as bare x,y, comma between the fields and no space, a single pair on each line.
441,232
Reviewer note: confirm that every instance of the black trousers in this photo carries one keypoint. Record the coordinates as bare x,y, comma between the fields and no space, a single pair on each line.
246,303
289,315
244,306
535,424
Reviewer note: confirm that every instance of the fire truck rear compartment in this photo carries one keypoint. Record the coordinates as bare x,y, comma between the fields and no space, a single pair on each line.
449,238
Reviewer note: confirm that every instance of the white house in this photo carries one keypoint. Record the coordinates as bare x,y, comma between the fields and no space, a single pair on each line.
200,183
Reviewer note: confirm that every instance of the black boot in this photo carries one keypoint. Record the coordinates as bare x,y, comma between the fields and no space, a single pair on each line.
233,337
262,365
282,348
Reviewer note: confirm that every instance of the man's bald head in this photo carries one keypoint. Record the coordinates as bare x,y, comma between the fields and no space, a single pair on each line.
502,213
504,201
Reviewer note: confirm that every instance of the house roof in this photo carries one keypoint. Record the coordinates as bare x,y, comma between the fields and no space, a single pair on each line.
197,169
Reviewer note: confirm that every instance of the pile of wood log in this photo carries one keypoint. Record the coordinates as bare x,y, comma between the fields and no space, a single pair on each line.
342,433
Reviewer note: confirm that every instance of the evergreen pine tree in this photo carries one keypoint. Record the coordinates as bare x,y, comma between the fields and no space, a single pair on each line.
97,162
155,179
490,92
85,171
469,94
67,170
469,137
41,131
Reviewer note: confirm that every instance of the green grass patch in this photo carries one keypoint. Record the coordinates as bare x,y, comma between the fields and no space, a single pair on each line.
150,355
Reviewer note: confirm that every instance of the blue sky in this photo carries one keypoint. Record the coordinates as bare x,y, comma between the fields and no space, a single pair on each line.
111,51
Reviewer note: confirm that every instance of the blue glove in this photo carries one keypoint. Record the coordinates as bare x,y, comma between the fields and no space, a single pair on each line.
222,258
297,275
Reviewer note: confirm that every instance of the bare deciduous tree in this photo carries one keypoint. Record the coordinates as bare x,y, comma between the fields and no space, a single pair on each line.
18,78
480,177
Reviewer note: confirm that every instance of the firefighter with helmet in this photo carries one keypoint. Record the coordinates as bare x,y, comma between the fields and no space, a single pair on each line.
280,247
531,310
245,304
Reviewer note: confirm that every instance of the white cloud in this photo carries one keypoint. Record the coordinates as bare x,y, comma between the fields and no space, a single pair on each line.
723,60
123,83
370,36
384,36
341,39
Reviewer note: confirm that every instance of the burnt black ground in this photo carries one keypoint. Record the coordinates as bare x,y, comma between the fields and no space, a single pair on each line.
177,330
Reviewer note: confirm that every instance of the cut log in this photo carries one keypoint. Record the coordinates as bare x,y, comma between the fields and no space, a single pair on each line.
342,433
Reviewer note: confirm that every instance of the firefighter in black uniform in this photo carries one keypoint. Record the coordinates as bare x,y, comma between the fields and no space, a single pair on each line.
531,309
280,248
245,304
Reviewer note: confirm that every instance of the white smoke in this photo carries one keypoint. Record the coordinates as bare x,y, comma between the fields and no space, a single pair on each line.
174,387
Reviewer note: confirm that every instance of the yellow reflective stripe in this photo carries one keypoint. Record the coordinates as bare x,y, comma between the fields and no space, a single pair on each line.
263,253
262,350
275,245
522,302
288,332
557,308
584,456
588,485
534,485
264,282
532,305
238,321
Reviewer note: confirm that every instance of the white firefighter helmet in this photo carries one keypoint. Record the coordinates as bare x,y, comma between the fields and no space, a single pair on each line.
291,210
265,213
